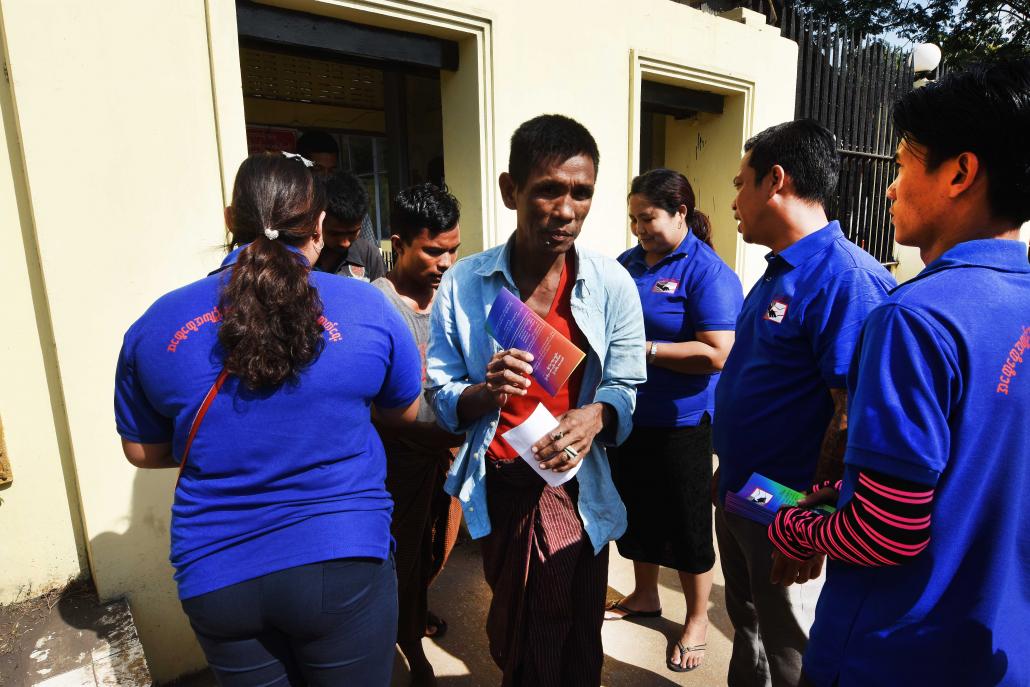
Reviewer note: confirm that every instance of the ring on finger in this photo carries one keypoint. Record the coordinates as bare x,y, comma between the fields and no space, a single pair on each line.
557,436
571,452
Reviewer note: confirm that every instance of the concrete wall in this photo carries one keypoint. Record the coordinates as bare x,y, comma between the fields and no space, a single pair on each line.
41,537
124,126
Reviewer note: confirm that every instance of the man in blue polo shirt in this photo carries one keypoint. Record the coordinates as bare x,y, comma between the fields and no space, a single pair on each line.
933,585
780,406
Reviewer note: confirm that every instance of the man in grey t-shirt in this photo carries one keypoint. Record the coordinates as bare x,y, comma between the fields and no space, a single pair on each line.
424,221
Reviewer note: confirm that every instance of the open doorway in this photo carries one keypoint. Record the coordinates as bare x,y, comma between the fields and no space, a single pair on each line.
375,92
699,132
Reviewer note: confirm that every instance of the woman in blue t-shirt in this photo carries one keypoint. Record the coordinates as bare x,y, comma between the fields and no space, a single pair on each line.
690,299
259,381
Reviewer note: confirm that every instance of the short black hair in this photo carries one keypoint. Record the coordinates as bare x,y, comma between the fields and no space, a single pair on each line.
806,150
345,197
317,142
984,110
423,206
547,139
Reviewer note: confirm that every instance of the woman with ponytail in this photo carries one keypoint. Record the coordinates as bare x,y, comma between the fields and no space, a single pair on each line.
258,383
690,300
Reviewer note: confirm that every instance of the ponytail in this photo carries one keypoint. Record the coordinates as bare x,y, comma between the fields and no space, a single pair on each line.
270,329
701,226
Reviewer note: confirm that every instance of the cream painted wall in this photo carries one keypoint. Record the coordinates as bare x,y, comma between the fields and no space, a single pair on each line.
43,544
131,124
592,85
118,132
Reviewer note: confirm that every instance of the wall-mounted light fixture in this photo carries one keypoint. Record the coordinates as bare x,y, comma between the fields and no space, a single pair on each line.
926,57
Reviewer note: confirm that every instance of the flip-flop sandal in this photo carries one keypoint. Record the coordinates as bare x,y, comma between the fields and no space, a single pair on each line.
435,621
629,612
684,650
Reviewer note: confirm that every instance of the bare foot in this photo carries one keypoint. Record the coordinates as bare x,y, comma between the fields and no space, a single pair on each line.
695,634
636,605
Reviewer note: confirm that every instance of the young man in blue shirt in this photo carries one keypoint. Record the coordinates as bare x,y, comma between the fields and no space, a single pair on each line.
929,581
780,407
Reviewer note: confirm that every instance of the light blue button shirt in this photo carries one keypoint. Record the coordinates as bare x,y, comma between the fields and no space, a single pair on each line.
606,308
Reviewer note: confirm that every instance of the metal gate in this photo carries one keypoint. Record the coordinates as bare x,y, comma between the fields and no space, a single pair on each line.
849,83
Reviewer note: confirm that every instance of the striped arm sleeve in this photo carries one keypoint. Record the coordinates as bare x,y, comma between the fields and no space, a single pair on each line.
886,522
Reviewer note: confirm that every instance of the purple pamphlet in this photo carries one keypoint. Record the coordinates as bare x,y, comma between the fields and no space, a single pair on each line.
514,325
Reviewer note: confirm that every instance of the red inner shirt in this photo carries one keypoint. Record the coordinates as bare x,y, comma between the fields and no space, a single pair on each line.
518,408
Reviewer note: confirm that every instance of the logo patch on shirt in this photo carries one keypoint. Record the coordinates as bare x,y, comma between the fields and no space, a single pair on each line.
776,311
665,285
357,271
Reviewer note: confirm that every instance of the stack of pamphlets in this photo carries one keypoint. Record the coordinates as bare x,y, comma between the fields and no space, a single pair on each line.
761,498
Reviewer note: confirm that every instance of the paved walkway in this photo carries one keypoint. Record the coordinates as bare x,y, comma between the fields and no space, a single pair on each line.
635,651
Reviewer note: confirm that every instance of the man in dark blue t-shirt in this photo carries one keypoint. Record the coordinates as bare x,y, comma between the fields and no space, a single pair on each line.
780,406
346,251
930,578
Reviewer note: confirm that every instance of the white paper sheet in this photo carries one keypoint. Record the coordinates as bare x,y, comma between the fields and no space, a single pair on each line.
522,438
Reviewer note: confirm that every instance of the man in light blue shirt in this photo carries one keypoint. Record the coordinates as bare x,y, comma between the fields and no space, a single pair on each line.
545,549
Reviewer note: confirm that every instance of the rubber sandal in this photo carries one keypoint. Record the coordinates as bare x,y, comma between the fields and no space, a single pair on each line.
684,650
629,612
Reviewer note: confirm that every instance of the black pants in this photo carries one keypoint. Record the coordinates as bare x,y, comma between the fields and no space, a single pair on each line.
331,623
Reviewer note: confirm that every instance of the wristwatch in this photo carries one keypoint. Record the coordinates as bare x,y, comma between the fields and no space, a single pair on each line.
652,352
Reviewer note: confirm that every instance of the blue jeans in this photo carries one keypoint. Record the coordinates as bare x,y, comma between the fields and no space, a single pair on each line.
330,623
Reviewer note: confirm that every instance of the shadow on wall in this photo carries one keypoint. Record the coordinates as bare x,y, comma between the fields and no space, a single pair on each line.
135,565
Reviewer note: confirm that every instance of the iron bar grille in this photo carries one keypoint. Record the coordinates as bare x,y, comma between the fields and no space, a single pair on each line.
849,83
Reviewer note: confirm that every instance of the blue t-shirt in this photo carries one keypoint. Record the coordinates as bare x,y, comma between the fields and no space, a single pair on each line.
940,395
688,291
279,478
795,337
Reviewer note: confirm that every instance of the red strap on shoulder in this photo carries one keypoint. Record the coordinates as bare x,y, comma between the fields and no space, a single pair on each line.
199,417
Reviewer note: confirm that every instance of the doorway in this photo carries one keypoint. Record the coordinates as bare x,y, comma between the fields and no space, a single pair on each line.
695,122
375,92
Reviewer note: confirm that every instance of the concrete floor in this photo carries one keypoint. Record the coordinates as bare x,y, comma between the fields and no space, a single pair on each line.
635,651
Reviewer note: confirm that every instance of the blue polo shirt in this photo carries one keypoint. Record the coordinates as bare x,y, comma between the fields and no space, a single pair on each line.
795,337
274,479
940,395
690,290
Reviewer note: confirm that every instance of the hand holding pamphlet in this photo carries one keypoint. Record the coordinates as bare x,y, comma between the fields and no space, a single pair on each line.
761,497
513,324
536,427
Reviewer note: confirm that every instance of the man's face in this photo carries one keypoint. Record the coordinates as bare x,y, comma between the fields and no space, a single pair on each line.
325,163
751,202
339,235
917,197
552,204
425,259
